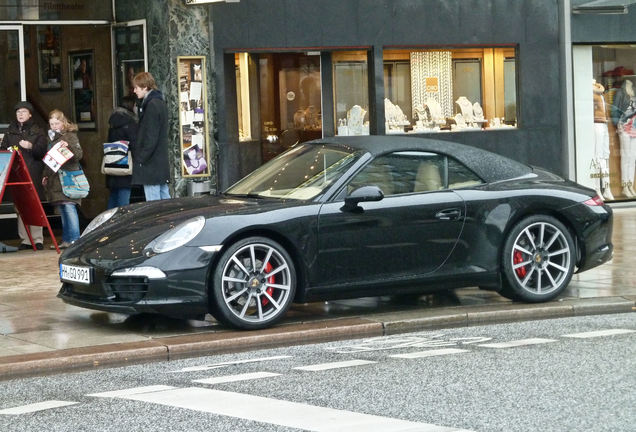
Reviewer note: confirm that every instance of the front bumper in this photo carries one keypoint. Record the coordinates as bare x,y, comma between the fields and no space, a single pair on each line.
164,284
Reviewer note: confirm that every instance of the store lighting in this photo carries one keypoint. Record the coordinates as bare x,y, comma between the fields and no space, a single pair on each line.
604,7
194,2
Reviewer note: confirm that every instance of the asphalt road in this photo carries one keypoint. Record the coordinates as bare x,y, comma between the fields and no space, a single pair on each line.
553,375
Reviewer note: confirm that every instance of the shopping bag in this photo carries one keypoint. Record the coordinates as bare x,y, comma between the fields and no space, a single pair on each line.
74,183
117,160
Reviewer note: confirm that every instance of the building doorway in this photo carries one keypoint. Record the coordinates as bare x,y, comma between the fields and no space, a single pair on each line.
290,100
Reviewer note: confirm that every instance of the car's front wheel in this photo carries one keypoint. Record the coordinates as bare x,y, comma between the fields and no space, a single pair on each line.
538,259
254,284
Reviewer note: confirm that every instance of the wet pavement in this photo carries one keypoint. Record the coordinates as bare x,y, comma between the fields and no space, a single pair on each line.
41,334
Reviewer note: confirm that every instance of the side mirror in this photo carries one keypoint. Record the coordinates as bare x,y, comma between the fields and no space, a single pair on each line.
362,194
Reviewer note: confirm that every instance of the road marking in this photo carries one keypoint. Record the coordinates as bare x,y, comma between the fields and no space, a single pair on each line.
132,391
430,353
599,333
230,363
40,406
335,365
235,378
517,343
280,412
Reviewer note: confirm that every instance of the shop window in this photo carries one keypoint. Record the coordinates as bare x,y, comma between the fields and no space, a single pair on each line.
397,84
289,100
351,95
605,109
437,90
241,65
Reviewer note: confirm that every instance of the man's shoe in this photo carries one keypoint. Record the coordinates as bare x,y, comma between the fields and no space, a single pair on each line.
39,246
24,246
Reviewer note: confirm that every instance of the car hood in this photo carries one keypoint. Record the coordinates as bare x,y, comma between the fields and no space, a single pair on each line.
134,226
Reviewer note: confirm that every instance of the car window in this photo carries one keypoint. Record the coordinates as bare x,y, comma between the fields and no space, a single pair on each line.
301,173
460,176
403,172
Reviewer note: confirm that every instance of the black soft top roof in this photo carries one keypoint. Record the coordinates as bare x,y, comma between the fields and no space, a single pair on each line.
487,165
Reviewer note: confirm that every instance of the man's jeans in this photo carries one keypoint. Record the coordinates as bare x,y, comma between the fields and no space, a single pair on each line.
156,192
119,197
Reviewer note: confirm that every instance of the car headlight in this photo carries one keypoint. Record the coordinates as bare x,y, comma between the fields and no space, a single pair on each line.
178,235
100,219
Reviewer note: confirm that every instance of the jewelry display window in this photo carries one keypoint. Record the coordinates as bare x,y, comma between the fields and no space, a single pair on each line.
443,90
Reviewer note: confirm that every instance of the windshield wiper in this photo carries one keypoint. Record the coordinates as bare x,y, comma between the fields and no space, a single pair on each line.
248,195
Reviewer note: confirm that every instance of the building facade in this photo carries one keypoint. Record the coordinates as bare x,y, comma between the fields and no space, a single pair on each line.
246,79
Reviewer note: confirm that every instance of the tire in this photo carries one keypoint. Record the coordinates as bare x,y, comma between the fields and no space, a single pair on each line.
538,260
254,284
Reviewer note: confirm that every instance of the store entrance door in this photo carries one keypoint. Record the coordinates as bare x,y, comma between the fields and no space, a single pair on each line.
290,100
12,81
129,55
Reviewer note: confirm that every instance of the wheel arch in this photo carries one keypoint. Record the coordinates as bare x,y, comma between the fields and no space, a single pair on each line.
541,211
294,253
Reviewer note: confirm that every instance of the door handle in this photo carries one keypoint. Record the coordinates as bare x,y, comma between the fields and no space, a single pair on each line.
449,214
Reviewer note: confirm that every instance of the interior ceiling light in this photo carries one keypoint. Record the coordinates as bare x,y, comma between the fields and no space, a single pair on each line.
604,7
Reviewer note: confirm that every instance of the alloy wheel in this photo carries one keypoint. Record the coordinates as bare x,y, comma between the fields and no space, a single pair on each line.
256,283
541,258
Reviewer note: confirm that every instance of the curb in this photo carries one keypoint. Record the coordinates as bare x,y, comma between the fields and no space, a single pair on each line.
171,348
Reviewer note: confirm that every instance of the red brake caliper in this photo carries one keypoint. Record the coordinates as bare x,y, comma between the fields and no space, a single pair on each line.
269,290
517,258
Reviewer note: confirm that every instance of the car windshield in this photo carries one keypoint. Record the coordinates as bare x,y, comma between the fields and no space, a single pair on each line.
301,173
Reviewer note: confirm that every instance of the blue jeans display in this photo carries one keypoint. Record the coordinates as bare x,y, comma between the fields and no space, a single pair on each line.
70,222
119,197
156,192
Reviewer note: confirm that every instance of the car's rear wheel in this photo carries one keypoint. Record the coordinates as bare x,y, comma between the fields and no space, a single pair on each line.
254,284
538,260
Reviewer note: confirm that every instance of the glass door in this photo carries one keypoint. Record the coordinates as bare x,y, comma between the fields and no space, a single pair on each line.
12,78
129,55
290,100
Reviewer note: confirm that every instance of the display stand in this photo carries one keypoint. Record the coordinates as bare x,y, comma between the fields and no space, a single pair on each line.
15,175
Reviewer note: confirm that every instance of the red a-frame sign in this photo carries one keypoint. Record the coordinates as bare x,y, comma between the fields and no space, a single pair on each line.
15,175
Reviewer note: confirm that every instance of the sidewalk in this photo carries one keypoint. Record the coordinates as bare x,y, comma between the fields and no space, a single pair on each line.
40,334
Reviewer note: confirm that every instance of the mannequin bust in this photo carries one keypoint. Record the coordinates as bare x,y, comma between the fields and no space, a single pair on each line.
355,119
435,109
478,112
466,107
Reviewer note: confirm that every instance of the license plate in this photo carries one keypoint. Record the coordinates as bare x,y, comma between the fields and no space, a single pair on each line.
75,274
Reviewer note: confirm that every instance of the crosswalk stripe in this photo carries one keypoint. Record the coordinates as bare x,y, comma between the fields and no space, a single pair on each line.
517,343
132,391
599,333
430,353
235,378
40,406
334,365
230,363
280,412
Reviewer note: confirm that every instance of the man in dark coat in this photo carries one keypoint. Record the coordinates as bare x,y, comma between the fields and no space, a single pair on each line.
150,154
25,135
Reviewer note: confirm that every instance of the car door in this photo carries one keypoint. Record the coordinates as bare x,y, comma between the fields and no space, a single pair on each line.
405,235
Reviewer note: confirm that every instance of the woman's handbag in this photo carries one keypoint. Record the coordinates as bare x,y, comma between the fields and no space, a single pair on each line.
74,183
117,159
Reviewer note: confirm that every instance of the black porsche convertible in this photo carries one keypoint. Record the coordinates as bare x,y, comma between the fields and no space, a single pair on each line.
339,218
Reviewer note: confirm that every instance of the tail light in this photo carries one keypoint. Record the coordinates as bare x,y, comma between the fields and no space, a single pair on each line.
595,201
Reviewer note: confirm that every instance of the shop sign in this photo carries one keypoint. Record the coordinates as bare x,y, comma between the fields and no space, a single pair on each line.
432,85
